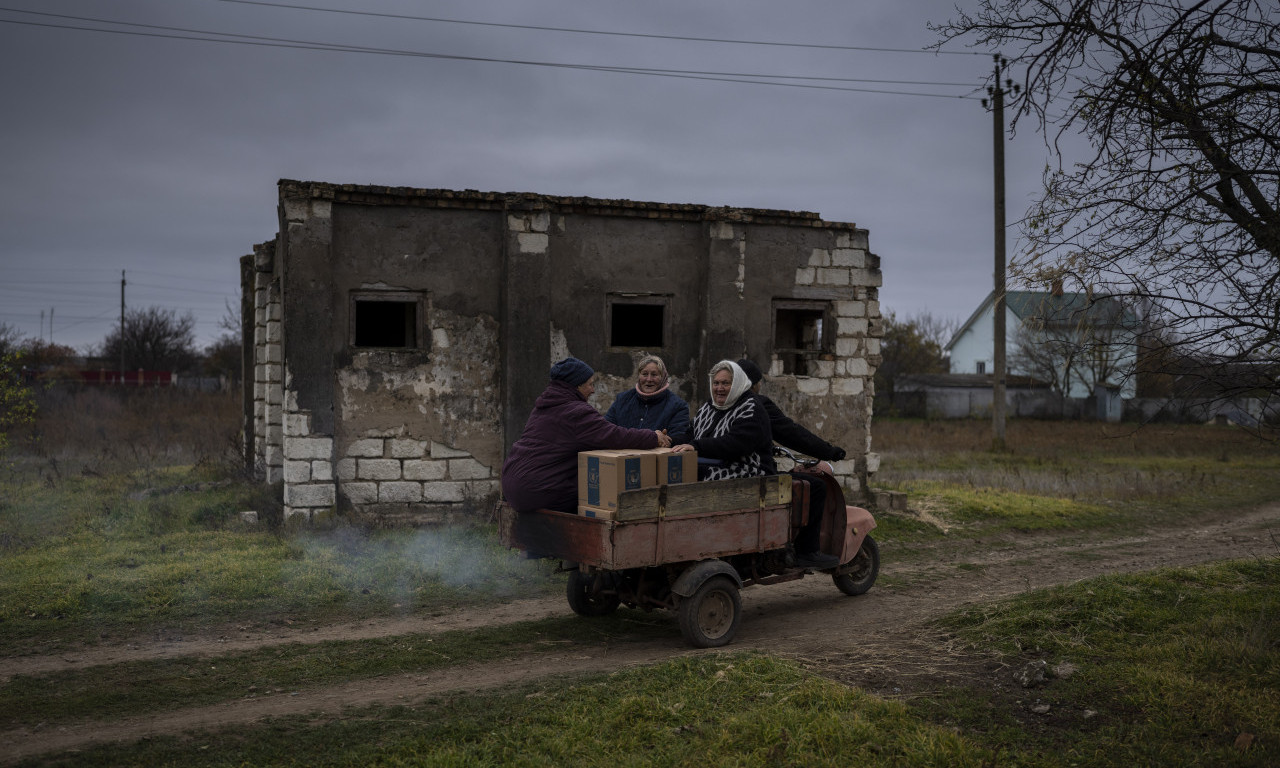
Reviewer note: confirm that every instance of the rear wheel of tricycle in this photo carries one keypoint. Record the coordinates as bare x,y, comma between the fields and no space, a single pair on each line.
709,617
863,569
585,595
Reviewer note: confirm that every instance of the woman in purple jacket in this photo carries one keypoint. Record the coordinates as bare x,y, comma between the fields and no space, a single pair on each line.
541,472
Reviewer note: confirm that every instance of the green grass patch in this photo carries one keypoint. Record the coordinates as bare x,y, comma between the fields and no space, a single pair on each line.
88,558
995,509
712,710
136,688
1178,667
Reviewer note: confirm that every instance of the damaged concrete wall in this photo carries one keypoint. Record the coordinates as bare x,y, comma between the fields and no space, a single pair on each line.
491,289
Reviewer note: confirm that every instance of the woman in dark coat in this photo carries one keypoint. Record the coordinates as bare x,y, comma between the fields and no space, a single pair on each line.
651,404
732,427
541,472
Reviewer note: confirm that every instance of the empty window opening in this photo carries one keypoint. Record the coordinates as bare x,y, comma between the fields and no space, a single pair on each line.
800,338
386,324
636,325
982,366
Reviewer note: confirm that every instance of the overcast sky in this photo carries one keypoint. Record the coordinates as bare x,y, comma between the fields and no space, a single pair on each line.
159,156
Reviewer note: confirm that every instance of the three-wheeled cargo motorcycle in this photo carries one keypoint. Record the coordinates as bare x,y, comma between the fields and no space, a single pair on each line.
691,547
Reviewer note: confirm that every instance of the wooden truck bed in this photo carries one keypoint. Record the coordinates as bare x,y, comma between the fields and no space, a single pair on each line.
657,526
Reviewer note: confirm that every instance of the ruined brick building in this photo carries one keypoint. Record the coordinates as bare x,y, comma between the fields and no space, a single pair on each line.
398,337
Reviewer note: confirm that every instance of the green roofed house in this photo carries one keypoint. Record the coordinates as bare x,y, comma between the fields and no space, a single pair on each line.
1075,342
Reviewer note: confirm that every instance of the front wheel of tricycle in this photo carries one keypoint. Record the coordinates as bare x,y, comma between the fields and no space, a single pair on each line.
709,617
586,597
863,569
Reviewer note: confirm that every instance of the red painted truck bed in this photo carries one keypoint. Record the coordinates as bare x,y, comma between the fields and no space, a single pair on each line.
658,526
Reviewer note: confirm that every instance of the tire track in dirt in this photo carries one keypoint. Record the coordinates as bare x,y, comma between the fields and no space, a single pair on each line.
807,619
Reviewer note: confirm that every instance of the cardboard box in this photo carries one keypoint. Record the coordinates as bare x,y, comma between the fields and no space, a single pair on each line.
602,475
676,468
603,514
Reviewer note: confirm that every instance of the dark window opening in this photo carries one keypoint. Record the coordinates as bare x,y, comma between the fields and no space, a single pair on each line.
636,325
982,366
799,339
386,324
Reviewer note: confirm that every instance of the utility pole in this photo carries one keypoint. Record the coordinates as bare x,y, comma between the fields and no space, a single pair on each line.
998,357
122,326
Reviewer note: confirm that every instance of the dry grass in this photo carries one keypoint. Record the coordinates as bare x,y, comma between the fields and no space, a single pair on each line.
99,431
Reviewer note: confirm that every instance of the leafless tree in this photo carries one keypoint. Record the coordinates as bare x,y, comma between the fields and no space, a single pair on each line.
1177,200
154,338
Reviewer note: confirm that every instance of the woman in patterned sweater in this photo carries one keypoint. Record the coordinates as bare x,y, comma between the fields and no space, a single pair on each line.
732,428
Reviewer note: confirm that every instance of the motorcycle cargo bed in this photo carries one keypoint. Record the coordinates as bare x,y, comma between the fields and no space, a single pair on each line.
670,524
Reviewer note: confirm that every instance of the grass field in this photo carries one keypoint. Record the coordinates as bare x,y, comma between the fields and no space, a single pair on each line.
114,527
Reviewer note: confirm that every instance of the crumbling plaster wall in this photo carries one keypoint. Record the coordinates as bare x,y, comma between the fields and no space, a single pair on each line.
508,284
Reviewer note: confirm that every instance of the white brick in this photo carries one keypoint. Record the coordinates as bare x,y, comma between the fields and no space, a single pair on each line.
424,470
297,471
361,493
865,277
321,471
274,353
272,475
274,434
532,242
857,367
275,372
846,386
833,276
346,469
443,492
440,338
873,462
824,369
442,451
820,258
407,449
540,221
309,495
294,512
273,331
378,469
273,393
805,275
848,257
308,447
290,401
400,491
851,326
274,457
297,424
517,223
873,346
811,386
274,312
847,347
367,448
467,469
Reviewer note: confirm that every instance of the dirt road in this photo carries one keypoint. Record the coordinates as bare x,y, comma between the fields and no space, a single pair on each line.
880,640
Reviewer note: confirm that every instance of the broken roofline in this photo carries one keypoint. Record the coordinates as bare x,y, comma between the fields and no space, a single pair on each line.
363,194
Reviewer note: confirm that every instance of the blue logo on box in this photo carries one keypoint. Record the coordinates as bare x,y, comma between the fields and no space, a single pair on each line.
593,480
632,469
675,470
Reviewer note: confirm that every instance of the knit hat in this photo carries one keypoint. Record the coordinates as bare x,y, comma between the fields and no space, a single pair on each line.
572,370
752,370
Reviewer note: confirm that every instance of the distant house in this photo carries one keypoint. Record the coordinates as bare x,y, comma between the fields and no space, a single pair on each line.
1079,344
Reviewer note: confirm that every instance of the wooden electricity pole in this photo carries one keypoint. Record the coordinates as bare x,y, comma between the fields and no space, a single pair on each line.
998,305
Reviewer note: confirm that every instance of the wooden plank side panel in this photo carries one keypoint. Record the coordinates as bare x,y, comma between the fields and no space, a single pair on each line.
642,543
547,533
699,498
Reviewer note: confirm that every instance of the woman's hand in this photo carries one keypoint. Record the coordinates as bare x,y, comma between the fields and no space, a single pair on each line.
664,441
683,448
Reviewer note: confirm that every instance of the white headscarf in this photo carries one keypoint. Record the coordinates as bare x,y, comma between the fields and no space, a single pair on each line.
741,383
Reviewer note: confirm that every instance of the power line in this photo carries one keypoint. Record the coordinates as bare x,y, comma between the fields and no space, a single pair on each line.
604,32
273,42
